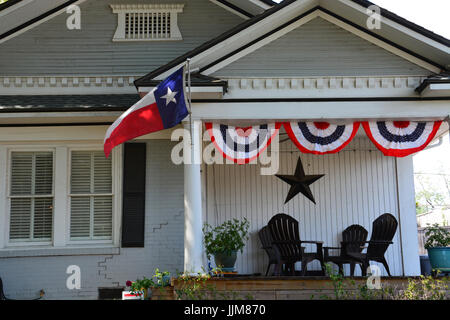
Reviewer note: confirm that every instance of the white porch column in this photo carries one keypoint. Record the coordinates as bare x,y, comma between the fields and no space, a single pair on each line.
407,216
193,219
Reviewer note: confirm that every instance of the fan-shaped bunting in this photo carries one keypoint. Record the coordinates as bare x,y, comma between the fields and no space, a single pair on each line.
401,138
242,144
321,137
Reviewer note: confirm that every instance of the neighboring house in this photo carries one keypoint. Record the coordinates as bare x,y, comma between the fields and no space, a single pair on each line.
62,203
441,216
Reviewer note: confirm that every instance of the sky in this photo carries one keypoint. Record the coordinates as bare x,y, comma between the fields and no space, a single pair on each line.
430,14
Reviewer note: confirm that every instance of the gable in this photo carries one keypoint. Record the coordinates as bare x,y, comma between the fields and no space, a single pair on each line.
320,48
50,48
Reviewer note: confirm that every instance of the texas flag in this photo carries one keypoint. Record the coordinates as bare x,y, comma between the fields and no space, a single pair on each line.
162,108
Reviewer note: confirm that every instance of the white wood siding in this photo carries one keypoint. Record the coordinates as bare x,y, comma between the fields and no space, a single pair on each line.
320,48
359,185
51,48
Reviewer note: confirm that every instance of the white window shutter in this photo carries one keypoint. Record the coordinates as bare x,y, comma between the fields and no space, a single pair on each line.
43,218
102,216
91,196
20,218
80,177
21,173
31,203
102,173
80,217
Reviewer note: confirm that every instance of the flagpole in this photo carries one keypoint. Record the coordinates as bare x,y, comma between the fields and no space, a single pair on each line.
448,122
188,64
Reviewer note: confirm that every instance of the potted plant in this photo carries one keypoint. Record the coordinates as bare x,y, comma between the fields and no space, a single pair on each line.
438,247
160,289
161,279
224,241
140,287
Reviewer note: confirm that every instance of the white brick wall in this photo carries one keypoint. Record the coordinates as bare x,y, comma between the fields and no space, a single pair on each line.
23,278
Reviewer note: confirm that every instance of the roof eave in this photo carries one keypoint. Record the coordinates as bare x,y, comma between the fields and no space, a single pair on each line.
143,81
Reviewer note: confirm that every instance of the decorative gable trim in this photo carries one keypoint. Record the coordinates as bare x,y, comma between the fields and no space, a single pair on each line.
334,19
252,33
34,22
147,22
233,8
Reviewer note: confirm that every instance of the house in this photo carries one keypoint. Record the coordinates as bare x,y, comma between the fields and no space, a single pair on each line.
68,69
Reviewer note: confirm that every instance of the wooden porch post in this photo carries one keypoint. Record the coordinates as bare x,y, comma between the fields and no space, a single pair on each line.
407,216
193,219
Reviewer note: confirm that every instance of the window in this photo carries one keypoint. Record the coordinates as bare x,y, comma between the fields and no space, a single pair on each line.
31,196
91,196
147,22
58,197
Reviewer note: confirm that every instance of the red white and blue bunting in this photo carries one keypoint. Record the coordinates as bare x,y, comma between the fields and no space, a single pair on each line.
242,145
401,138
321,137
393,138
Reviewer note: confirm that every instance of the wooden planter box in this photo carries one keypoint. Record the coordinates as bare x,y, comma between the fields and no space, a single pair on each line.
163,293
272,288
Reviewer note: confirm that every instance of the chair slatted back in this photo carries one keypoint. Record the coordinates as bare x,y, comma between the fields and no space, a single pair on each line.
265,237
285,228
357,235
383,229
267,242
2,294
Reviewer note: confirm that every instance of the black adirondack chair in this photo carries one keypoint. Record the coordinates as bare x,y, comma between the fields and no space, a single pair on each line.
2,294
383,231
285,235
355,236
272,251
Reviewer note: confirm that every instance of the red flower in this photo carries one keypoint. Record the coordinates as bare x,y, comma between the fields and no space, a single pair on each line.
129,283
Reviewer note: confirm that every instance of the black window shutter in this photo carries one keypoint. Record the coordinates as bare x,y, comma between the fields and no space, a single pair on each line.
133,215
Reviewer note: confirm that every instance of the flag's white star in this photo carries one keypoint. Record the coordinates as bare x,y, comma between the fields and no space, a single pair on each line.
170,96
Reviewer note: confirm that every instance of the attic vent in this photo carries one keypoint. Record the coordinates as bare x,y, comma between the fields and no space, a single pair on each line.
147,22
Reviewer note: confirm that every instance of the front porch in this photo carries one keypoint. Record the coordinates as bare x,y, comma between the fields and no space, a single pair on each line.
359,185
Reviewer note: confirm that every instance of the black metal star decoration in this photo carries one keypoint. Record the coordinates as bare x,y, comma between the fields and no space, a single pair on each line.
300,182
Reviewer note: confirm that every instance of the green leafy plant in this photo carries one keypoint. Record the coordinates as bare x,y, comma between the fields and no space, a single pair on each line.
192,286
436,236
228,237
161,278
141,284
337,280
424,288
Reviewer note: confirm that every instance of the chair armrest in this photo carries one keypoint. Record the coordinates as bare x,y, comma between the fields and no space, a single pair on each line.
318,244
288,242
379,242
326,251
370,241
